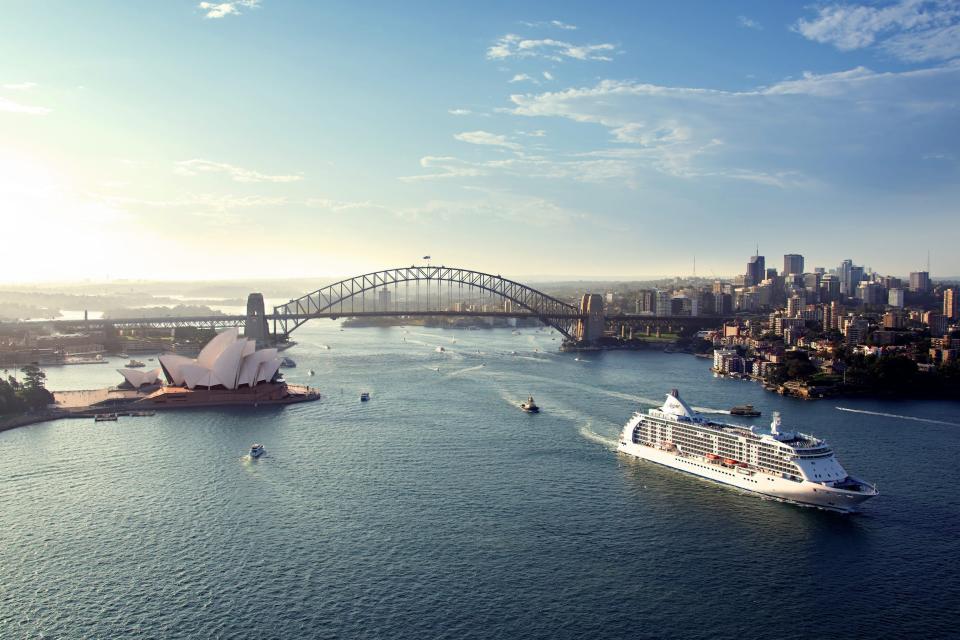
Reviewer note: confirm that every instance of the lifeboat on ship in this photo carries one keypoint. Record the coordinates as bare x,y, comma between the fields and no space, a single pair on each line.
730,462
712,457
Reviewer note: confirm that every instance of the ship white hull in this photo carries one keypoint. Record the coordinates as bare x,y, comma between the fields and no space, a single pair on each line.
804,493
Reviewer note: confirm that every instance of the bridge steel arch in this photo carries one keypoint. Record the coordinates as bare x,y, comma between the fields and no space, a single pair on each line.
329,301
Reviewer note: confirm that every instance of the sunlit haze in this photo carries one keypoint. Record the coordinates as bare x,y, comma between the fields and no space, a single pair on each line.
269,138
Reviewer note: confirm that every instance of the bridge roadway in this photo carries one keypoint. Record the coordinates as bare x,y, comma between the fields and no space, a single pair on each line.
224,321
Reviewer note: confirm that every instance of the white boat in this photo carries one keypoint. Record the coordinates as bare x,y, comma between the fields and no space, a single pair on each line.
787,465
257,450
440,349
311,372
135,364
530,406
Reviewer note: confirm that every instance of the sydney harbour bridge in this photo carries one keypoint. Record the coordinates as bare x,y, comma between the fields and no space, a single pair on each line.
418,291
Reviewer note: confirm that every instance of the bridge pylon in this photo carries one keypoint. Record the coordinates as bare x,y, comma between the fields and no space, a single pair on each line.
255,327
593,319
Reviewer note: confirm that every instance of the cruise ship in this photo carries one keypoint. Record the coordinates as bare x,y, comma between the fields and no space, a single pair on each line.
785,465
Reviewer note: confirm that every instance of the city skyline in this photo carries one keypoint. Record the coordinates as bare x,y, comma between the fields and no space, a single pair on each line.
258,138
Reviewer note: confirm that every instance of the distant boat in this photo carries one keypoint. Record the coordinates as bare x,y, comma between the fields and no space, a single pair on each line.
257,450
325,346
105,417
310,373
513,353
364,396
288,363
530,406
744,410
440,349
135,364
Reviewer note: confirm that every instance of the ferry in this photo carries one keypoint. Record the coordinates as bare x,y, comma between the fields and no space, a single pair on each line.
785,465
287,363
135,364
744,410
105,417
530,406
257,450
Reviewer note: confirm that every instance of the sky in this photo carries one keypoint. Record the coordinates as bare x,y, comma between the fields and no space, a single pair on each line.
179,139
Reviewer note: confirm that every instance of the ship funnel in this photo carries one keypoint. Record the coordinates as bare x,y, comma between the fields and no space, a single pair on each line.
775,424
675,393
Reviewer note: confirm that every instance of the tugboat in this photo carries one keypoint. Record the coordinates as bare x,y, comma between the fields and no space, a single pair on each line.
365,396
744,410
530,406
257,450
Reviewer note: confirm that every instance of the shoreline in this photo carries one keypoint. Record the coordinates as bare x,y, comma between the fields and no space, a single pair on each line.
127,404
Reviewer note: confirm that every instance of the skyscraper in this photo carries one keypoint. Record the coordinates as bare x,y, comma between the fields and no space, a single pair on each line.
843,271
756,270
792,263
950,304
920,281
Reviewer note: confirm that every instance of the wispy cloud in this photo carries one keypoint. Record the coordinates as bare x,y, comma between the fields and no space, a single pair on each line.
520,77
19,86
486,138
692,132
12,106
548,75
444,167
556,24
227,8
197,167
749,23
912,30
459,112
514,46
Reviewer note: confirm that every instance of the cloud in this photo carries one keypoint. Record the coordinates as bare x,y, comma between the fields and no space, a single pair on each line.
197,166
444,167
514,46
11,106
227,8
912,30
19,86
548,75
486,138
691,132
520,77
556,24
459,112
749,23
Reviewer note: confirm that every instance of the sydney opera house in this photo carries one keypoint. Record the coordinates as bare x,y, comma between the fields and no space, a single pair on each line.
228,370
226,362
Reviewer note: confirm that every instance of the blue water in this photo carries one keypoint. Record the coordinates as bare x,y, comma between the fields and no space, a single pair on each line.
439,510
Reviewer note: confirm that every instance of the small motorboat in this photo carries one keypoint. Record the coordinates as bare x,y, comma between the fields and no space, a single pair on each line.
440,349
135,364
310,373
105,417
257,450
513,353
530,406
365,396
744,410
288,363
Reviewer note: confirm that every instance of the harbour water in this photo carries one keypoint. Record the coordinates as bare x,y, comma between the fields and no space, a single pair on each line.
438,509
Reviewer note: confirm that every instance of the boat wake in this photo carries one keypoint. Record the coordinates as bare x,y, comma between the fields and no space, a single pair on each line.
592,436
709,410
897,416
466,370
